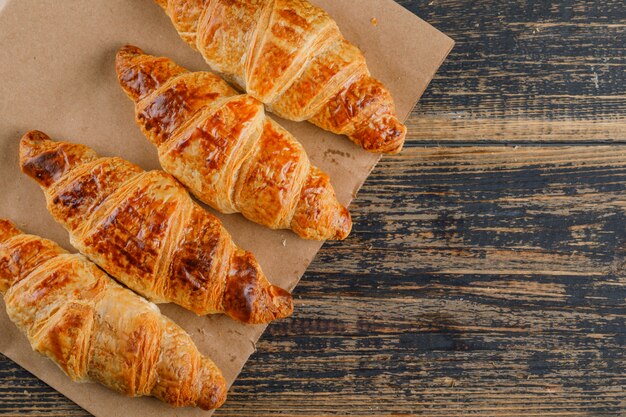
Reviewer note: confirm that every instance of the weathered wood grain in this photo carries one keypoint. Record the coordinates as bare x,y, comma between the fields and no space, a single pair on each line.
525,70
493,285
483,280
480,280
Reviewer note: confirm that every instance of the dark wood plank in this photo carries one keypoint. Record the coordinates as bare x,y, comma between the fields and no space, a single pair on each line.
526,71
494,285
483,281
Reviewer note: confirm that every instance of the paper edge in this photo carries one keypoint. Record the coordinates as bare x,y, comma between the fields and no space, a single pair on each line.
400,9
404,118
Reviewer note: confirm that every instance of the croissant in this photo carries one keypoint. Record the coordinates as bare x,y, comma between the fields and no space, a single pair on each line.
226,151
144,229
94,329
291,56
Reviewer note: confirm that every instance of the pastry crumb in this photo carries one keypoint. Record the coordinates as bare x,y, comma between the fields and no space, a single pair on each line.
374,21
284,242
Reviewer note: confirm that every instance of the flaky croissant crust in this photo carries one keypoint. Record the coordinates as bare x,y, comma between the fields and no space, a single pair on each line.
291,56
94,329
224,149
144,229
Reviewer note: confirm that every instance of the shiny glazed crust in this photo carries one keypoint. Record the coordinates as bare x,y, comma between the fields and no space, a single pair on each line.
144,229
291,56
94,329
226,151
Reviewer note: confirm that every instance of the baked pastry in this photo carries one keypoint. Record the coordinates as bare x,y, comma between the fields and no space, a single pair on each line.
291,56
95,330
224,149
144,229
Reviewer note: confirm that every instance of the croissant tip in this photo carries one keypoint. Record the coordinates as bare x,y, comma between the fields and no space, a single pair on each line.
393,148
35,136
398,144
7,229
249,297
214,393
276,304
344,225
31,141
283,301
383,135
282,306
125,54
129,49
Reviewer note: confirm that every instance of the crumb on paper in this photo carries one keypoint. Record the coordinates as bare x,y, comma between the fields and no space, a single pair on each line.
284,242
374,21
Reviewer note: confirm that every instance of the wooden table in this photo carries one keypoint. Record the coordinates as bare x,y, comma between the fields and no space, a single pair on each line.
486,272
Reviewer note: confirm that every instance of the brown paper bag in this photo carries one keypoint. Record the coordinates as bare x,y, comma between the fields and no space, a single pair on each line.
57,75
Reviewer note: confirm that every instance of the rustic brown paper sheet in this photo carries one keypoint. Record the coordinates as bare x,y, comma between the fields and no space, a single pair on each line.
57,75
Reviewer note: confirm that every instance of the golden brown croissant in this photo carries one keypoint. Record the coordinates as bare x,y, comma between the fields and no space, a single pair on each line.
94,329
144,229
291,56
226,151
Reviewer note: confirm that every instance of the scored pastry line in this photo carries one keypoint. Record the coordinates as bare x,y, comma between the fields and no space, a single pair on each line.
227,150
254,47
244,153
297,42
103,210
313,45
241,156
331,36
83,325
199,116
344,77
74,173
16,241
300,179
39,273
247,58
173,235
248,297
